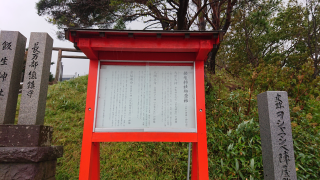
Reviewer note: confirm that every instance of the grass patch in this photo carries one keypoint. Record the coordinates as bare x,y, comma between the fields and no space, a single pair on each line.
127,160
234,145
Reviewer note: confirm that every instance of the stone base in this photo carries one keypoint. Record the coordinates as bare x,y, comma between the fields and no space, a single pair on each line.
25,135
30,154
24,163
45,170
26,152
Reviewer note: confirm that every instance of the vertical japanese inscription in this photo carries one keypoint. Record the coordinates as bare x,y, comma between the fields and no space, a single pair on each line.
146,97
32,75
185,95
276,136
12,47
6,46
284,156
34,92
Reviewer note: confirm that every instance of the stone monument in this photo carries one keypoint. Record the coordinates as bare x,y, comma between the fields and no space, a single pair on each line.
276,136
25,149
12,47
36,80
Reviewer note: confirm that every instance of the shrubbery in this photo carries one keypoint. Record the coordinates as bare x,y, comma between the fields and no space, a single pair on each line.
234,146
233,124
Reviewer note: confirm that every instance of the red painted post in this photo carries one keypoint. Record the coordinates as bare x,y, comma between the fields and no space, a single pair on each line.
87,145
194,171
95,161
201,122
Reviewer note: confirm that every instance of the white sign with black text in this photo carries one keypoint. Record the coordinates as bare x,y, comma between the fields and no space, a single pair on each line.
146,98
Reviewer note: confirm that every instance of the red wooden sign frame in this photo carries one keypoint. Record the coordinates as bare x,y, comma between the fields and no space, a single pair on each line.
143,46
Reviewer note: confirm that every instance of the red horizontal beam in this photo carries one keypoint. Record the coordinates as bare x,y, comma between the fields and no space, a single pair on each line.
145,64
144,137
147,56
147,45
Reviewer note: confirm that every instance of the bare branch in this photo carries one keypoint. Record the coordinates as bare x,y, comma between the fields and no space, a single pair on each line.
173,4
151,25
196,15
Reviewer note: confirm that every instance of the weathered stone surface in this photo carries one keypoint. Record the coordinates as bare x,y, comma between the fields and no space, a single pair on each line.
30,154
28,171
276,136
12,47
25,135
36,79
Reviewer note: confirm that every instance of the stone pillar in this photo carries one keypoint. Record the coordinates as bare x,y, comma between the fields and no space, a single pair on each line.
36,80
276,136
25,149
12,47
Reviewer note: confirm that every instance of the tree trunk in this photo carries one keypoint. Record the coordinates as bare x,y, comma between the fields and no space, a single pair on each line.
212,59
216,26
202,21
316,68
182,12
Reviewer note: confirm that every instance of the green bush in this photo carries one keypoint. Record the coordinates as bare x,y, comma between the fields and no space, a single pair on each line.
234,145
233,124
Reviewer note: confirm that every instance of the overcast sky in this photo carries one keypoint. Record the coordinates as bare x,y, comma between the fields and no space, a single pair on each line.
21,15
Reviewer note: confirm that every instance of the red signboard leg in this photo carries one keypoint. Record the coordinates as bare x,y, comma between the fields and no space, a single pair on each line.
95,161
202,157
89,150
194,171
202,152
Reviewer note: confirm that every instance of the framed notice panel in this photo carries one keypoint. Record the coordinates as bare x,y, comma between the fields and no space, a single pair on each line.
145,97
144,86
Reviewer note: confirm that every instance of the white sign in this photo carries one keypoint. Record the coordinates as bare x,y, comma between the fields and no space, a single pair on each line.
148,98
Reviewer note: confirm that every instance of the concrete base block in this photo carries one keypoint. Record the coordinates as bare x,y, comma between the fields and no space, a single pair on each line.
28,171
25,135
26,153
30,154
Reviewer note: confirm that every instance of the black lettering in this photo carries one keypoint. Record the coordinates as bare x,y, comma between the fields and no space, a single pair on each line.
31,85
30,93
3,76
32,75
3,61
34,64
1,92
278,102
6,45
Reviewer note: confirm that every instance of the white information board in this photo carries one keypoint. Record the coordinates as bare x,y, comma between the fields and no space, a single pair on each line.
146,98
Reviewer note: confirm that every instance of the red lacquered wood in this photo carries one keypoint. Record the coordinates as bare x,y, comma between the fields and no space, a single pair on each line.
95,161
147,56
201,122
85,45
146,45
120,47
205,48
194,168
145,63
86,150
143,137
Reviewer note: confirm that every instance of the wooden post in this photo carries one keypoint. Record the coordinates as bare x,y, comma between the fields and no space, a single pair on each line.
56,79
